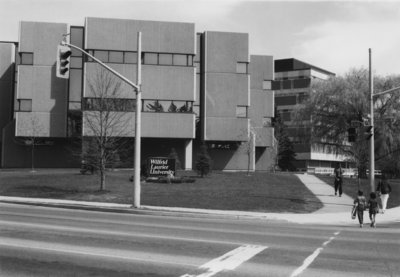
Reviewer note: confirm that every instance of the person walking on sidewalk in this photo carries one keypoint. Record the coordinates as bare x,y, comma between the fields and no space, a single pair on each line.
360,203
338,180
373,208
384,189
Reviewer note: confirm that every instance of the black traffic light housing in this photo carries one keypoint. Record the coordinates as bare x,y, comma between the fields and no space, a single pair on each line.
351,134
368,132
63,61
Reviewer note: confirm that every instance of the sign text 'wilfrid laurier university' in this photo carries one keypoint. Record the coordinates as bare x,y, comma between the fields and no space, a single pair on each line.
160,166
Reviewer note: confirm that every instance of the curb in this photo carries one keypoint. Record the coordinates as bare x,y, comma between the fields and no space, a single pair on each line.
341,218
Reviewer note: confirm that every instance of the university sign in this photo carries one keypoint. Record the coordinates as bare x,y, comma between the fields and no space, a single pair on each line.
160,166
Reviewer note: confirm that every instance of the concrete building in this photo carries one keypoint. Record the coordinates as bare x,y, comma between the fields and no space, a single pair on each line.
196,88
293,80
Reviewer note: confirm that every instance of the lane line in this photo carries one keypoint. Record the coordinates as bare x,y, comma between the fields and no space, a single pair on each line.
310,259
98,252
229,261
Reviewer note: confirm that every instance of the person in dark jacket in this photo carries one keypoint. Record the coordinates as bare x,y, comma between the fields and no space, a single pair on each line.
360,203
373,208
338,180
384,189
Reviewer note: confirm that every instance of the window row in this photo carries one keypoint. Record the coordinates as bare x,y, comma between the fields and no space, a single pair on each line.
129,105
126,57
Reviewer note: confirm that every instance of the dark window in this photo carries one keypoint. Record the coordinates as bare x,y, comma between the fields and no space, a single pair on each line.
242,67
165,59
287,84
130,57
285,100
301,83
151,58
276,85
26,58
241,111
109,104
25,105
116,57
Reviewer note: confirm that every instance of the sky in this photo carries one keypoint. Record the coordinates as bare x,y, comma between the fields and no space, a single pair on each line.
333,35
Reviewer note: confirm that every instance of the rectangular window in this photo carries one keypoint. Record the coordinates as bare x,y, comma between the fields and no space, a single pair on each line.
101,55
130,57
241,67
76,106
25,105
165,59
77,39
286,100
267,122
241,111
180,59
27,58
267,85
150,58
116,57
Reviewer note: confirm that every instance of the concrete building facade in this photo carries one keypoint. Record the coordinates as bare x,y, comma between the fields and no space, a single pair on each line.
196,88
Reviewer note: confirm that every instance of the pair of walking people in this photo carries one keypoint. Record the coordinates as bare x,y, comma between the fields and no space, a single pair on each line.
361,204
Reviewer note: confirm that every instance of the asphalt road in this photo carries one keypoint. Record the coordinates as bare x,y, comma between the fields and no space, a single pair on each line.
43,241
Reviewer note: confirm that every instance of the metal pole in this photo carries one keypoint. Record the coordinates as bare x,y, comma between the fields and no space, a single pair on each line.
372,139
136,201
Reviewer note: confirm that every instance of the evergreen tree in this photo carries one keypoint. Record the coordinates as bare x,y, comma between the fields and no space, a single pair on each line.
286,154
203,163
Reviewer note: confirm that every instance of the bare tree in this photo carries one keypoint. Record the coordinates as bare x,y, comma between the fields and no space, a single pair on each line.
106,119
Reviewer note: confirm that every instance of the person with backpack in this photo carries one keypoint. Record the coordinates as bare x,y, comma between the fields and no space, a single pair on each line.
373,208
360,203
384,189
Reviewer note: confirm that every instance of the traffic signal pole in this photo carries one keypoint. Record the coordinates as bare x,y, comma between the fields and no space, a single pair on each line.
137,87
372,140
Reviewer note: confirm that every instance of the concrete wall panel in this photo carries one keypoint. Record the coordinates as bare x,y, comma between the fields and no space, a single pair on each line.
40,124
41,39
168,125
39,83
121,34
227,129
224,50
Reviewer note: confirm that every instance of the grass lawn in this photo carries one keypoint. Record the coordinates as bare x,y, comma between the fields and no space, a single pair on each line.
260,192
350,187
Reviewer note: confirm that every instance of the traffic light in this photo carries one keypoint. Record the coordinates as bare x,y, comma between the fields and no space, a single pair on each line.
63,59
368,132
352,134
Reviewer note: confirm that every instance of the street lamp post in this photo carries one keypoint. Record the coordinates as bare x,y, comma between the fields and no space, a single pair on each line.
372,139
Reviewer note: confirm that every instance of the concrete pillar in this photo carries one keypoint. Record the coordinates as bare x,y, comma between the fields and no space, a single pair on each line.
188,154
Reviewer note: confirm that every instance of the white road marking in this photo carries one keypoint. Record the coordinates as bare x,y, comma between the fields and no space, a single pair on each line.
229,261
107,253
312,257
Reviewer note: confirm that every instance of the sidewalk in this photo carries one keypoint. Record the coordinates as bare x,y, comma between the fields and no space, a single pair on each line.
335,211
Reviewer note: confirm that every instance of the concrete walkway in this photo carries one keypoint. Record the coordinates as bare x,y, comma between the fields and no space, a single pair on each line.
335,211
326,194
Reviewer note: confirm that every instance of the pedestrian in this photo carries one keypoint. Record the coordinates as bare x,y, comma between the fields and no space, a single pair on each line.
373,208
360,203
384,189
338,180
